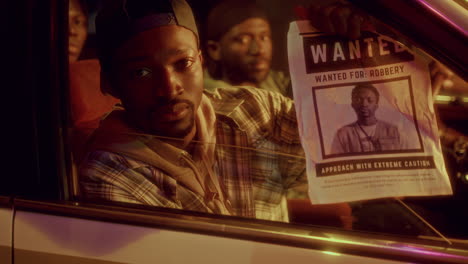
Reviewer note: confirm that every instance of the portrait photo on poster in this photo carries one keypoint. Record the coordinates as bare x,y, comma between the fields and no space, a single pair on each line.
363,118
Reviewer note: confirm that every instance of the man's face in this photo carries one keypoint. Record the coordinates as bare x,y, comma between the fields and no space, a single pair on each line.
246,51
364,103
159,78
77,30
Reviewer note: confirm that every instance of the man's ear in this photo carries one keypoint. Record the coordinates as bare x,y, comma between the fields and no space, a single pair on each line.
106,86
213,49
200,56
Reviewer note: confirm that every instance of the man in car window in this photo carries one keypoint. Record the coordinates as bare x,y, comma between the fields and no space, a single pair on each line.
234,151
239,49
367,134
77,28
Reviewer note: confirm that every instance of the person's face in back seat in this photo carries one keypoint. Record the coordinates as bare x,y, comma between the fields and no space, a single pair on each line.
77,29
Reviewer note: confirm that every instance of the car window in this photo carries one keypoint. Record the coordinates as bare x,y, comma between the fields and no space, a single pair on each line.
245,158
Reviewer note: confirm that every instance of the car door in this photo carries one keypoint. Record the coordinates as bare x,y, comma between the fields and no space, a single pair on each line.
6,230
82,234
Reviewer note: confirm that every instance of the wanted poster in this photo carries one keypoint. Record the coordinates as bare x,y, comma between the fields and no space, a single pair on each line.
366,117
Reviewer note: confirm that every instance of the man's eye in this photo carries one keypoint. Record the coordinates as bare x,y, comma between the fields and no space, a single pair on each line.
244,39
183,64
142,73
79,21
264,37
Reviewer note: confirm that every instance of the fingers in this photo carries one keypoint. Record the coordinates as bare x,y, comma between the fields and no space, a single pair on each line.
437,81
437,67
356,24
320,18
339,18
436,77
440,77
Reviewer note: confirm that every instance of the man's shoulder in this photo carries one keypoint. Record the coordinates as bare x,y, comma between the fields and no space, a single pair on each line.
345,130
251,109
231,99
211,83
279,77
277,81
104,158
236,92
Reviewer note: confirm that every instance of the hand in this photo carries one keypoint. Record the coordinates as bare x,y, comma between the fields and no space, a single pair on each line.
440,77
448,136
337,18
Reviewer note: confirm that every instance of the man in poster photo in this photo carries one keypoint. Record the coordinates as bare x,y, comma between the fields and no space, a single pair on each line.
367,134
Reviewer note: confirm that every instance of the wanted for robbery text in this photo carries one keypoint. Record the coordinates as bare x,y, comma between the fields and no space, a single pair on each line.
365,116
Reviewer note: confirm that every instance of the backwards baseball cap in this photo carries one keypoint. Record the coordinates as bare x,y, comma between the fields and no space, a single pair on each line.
119,20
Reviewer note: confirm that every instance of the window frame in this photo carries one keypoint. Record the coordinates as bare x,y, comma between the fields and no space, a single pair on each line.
423,23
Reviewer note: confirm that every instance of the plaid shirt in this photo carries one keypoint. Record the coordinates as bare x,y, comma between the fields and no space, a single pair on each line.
258,157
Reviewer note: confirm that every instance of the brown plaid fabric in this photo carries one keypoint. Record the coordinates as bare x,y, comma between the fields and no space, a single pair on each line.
258,157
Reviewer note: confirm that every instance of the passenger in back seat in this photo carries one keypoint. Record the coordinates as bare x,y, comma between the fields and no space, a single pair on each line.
77,28
88,103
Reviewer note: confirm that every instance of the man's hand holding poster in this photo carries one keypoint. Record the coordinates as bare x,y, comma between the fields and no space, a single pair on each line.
366,117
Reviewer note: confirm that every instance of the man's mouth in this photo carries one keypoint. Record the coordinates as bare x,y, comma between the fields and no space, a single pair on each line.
364,111
259,65
172,112
72,49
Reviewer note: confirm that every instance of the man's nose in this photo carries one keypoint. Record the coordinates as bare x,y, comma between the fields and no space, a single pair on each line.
72,30
256,47
168,85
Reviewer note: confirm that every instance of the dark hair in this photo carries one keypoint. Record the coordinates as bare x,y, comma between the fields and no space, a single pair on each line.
142,8
363,86
227,14
84,7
